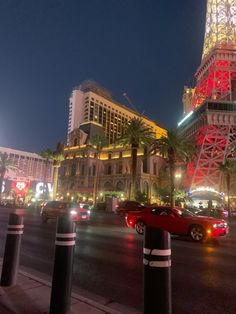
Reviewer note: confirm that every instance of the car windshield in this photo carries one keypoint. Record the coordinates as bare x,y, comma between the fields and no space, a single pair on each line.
183,212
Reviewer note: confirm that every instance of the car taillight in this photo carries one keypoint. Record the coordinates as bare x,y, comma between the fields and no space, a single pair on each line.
130,222
116,206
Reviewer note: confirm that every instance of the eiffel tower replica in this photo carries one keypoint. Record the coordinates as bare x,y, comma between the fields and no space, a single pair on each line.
210,107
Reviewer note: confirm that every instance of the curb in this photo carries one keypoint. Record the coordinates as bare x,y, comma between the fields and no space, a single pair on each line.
74,295
105,305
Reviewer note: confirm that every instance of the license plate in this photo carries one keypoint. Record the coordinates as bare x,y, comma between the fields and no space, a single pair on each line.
84,217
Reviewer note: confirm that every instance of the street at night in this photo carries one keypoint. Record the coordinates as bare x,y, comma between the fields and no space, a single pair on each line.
108,263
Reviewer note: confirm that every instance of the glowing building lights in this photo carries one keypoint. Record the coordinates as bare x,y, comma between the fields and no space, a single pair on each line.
185,118
204,189
214,125
216,77
220,25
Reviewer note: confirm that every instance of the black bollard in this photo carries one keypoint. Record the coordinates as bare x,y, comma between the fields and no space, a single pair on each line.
157,271
63,266
12,250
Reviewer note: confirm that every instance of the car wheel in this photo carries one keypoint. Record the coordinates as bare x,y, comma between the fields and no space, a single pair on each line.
44,218
197,233
139,227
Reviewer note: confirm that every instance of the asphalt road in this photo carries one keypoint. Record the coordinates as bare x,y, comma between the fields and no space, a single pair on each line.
108,263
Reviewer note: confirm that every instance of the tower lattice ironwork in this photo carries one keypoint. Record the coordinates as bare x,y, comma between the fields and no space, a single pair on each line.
211,117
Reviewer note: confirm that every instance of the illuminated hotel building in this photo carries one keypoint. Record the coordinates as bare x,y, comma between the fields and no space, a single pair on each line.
77,172
210,107
29,169
93,111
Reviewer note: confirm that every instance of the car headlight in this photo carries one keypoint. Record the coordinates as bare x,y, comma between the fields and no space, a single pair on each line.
73,212
221,225
89,211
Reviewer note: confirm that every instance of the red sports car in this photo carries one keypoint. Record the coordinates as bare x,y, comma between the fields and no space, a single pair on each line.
177,221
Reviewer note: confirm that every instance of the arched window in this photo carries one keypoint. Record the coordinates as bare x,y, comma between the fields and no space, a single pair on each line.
108,186
154,190
63,171
75,142
155,168
145,187
119,186
73,169
82,170
108,169
119,168
93,170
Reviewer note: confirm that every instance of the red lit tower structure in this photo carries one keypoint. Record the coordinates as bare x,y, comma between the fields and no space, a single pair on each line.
210,107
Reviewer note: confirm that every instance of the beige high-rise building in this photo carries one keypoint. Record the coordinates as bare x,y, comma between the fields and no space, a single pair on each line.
92,110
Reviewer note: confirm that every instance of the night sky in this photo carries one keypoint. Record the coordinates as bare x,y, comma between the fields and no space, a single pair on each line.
149,49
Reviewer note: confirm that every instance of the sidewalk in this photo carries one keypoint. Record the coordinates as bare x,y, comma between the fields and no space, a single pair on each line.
31,295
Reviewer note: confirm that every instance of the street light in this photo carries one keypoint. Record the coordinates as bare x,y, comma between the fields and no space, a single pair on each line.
178,175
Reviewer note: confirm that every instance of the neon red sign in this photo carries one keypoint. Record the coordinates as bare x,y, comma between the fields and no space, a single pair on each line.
20,187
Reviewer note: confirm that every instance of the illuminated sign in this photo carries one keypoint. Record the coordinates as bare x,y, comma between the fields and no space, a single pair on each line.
205,189
40,186
20,187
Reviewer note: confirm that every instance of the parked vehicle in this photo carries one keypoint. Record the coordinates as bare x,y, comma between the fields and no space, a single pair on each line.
233,212
125,206
53,209
177,221
216,212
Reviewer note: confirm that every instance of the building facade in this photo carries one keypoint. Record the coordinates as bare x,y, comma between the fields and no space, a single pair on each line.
78,172
29,171
93,111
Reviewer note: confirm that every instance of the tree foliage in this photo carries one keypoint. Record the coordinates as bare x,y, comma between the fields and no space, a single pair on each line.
175,149
136,135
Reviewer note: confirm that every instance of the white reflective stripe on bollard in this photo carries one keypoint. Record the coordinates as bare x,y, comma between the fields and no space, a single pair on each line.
160,264
65,243
15,232
158,252
15,226
146,251
65,235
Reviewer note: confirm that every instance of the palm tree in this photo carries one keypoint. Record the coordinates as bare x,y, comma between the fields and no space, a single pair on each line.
46,154
99,142
5,166
136,135
57,157
228,168
174,148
